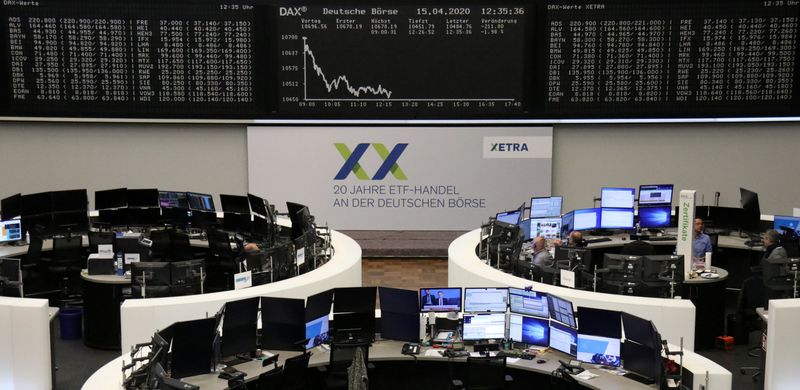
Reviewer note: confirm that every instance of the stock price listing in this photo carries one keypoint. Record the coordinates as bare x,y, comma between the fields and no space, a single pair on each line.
434,61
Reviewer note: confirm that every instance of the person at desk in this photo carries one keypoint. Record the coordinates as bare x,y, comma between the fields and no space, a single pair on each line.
772,247
249,248
541,257
575,240
700,245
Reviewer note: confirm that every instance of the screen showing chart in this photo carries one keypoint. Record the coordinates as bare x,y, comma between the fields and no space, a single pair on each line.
616,218
531,303
546,207
584,219
393,59
616,197
484,326
528,330
485,300
563,338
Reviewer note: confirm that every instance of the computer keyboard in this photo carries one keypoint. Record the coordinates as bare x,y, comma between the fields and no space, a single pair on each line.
663,238
516,354
596,240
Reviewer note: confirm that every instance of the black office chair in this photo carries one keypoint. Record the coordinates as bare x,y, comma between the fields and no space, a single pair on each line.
638,248
221,261
100,238
65,267
270,380
180,246
342,355
160,248
484,373
294,372
753,295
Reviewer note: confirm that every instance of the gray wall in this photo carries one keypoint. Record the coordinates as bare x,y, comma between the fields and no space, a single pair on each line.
213,158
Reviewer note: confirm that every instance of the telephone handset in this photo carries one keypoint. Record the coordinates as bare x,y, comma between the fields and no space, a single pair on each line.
573,367
410,349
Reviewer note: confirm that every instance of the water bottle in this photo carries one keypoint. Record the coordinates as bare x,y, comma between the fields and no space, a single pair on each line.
120,268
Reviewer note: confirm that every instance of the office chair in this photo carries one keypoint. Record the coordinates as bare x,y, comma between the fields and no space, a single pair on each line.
294,372
65,266
484,373
180,247
159,250
100,238
221,261
271,380
342,355
638,248
752,296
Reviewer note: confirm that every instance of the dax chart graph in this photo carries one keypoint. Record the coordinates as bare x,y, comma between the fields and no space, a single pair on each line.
375,61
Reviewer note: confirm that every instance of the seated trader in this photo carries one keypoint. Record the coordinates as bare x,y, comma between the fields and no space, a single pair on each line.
772,247
700,245
541,257
575,240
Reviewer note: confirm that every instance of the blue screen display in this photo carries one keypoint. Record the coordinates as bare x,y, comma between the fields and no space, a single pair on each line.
529,330
317,332
511,217
782,220
654,217
598,350
440,299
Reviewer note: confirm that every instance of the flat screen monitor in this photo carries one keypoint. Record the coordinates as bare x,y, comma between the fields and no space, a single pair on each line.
173,199
545,227
150,273
642,360
300,217
10,230
235,204
752,210
40,225
528,330
576,256
547,207
586,219
110,199
317,332
70,200
567,223
187,272
260,229
355,325
599,350
783,222
512,217
440,299
142,216
655,194
532,303
563,338
400,326
561,311
35,204
354,299
192,347
10,270
145,197
239,327
11,207
622,267
283,323
258,205
600,322
654,217
669,266
70,222
319,304
617,197
237,223
614,218
485,300
639,330
397,300
202,202
484,326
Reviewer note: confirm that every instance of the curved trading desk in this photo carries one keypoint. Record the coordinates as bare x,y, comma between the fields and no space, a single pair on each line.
141,317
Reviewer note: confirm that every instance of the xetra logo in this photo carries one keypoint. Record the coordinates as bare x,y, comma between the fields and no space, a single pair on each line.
291,11
510,147
389,165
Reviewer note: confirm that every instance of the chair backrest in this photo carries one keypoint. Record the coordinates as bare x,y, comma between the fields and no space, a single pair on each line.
219,244
271,380
486,373
161,246
68,249
100,238
294,372
34,250
638,248
180,247
342,353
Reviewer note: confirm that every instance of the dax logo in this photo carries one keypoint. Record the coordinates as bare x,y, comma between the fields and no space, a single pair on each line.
510,147
291,11
389,165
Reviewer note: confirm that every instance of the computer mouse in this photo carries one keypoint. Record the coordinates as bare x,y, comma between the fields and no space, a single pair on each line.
540,361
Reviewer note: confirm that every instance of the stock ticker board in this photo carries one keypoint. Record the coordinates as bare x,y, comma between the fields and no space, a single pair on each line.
404,60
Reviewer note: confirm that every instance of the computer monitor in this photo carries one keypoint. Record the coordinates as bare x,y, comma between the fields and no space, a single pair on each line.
654,217
11,207
239,333
400,326
547,207
615,218
622,267
640,330
10,230
235,203
485,300
599,350
186,276
586,219
150,273
782,223
355,325
70,200
513,217
35,204
192,347
563,338
39,225
600,322
173,199
752,210
567,223
545,227
258,205
532,303
576,256
561,311
202,202
70,222
644,361
528,330
354,299
145,197
667,266
398,300
283,325
300,217
142,216
655,194
319,305
779,273
317,332
440,299
484,326
616,197
110,199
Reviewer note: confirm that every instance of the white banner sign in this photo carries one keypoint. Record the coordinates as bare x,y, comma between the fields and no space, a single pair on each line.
390,178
